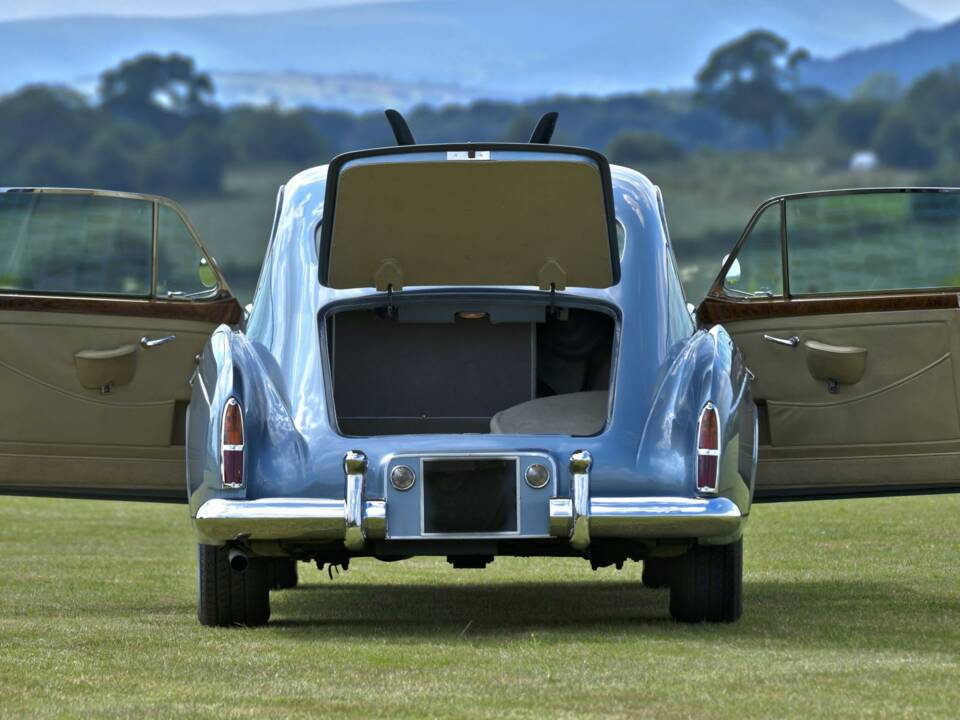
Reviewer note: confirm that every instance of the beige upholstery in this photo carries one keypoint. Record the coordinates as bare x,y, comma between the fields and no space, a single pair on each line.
470,222
582,413
58,430
895,417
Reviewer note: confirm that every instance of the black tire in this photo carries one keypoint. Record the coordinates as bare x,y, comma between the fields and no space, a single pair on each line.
657,572
283,573
707,584
226,597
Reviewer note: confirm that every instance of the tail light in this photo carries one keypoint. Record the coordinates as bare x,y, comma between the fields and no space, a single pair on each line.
231,445
708,450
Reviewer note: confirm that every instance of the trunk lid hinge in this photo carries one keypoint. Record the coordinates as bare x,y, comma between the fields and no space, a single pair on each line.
389,277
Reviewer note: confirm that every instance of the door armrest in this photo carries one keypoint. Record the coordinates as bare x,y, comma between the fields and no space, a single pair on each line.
843,364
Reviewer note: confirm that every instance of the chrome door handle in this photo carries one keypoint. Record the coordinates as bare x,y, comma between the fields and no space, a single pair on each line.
791,341
148,343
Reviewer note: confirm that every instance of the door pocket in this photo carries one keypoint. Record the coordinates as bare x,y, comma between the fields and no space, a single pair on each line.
103,369
835,364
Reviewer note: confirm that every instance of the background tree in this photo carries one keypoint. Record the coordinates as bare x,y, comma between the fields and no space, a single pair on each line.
47,165
633,147
899,142
161,92
951,140
854,123
271,135
879,86
37,116
751,78
520,127
934,98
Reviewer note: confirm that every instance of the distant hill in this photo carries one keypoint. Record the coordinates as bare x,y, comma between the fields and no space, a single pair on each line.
908,58
498,48
356,93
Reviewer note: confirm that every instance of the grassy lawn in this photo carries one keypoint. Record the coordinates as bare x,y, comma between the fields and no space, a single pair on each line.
852,609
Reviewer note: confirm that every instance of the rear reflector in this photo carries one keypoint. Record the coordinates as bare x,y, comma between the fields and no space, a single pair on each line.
708,450
231,445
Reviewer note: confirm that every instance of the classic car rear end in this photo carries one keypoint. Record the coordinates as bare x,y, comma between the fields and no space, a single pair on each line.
477,350
470,351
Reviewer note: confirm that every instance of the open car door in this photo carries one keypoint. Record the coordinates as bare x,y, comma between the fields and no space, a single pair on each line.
105,301
846,305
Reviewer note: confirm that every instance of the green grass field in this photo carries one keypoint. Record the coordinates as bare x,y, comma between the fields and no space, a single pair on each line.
852,609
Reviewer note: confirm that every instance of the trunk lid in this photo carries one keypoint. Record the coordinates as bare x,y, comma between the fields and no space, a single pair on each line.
469,215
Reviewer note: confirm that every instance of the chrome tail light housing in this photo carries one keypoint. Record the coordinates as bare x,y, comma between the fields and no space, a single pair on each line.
231,445
708,451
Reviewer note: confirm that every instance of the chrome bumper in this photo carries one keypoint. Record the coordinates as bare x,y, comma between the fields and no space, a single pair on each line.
578,519
581,517
287,519
352,520
643,517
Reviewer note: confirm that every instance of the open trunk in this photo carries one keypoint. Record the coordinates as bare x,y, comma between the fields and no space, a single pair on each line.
471,369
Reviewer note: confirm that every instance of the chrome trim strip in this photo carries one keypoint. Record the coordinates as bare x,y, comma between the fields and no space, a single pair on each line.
198,376
375,519
580,463
355,469
561,517
154,250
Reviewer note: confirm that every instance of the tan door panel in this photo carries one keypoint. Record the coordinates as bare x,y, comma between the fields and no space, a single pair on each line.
59,431
897,417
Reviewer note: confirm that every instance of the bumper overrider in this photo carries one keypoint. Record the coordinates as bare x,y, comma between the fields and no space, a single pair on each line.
577,519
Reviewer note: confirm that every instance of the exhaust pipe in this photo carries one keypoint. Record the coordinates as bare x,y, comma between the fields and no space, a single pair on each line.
238,560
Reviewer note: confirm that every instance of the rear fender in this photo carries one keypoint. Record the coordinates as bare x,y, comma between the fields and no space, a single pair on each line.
274,450
708,369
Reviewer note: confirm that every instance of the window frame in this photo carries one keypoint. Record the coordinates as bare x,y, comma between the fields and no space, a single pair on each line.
717,289
218,292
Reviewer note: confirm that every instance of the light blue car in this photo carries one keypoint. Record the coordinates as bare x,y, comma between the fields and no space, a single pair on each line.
470,351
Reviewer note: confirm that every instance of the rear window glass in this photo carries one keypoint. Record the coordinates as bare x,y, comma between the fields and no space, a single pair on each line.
79,244
873,242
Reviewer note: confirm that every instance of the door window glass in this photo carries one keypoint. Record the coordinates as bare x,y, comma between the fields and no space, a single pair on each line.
757,271
76,244
182,269
874,241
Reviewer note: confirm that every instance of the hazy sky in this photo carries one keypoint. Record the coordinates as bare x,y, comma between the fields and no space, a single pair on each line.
937,9
10,9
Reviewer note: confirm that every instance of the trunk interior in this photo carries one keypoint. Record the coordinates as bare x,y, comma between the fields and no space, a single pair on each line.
428,368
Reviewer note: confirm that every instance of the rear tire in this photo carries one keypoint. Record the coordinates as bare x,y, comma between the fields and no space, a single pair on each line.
657,572
283,573
707,584
226,597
